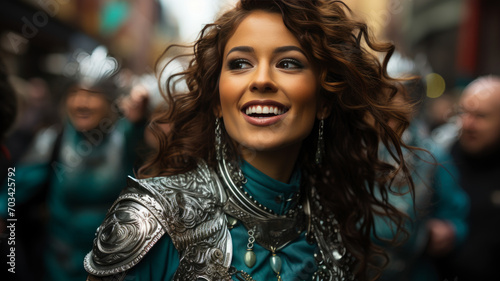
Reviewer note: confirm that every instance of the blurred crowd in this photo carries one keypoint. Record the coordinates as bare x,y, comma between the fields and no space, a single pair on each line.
68,170
74,139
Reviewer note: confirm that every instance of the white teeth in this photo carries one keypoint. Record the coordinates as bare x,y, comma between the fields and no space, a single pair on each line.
258,109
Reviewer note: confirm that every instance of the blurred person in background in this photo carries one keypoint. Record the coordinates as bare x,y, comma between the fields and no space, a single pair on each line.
438,209
80,169
476,153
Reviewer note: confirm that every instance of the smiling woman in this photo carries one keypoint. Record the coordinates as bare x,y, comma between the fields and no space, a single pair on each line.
264,71
270,169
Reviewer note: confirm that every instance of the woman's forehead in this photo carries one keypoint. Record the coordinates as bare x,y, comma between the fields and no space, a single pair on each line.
261,28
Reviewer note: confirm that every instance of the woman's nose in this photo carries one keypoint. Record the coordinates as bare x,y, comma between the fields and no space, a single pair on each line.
263,81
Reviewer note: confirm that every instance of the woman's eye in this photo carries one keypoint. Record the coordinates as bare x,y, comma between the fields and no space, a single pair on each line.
289,64
239,64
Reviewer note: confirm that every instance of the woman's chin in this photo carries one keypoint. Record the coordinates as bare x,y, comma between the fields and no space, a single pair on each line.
269,148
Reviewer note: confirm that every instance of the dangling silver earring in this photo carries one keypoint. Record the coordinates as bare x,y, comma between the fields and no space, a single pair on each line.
218,140
320,149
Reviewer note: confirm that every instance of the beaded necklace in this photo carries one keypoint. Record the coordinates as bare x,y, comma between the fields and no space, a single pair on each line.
271,231
332,259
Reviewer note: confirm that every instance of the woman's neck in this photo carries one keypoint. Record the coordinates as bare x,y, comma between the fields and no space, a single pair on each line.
278,164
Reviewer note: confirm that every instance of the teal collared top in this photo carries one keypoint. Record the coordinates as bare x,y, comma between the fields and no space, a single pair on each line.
297,257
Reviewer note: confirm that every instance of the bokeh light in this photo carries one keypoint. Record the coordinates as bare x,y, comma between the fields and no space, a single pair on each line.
435,85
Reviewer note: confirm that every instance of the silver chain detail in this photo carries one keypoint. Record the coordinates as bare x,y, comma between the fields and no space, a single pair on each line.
320,150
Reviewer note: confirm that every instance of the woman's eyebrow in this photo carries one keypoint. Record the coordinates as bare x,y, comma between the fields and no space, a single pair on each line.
245,49
283,49
287,49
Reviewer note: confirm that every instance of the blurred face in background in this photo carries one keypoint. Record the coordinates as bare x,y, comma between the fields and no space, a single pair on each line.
86,109
481,118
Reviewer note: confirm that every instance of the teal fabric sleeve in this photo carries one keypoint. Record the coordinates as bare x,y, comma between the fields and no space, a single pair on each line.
159,264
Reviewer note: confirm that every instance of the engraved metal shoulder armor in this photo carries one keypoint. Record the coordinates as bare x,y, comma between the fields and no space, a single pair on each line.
186,206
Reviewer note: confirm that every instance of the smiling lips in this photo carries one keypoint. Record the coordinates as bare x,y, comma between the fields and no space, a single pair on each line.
263,114
266,110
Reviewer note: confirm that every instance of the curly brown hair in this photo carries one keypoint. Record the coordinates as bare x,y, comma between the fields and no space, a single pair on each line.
353,182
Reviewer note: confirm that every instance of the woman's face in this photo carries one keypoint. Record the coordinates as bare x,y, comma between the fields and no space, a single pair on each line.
268,88
86,109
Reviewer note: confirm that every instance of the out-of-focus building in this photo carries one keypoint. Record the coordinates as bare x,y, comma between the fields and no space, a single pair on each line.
36,35
450,42
458,38
376,13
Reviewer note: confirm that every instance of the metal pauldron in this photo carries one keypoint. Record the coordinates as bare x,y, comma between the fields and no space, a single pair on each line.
188,206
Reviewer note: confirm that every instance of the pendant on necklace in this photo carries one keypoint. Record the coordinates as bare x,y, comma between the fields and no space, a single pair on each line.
275,262
250,257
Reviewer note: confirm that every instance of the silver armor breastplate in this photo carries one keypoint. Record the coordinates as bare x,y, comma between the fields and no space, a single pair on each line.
187,206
